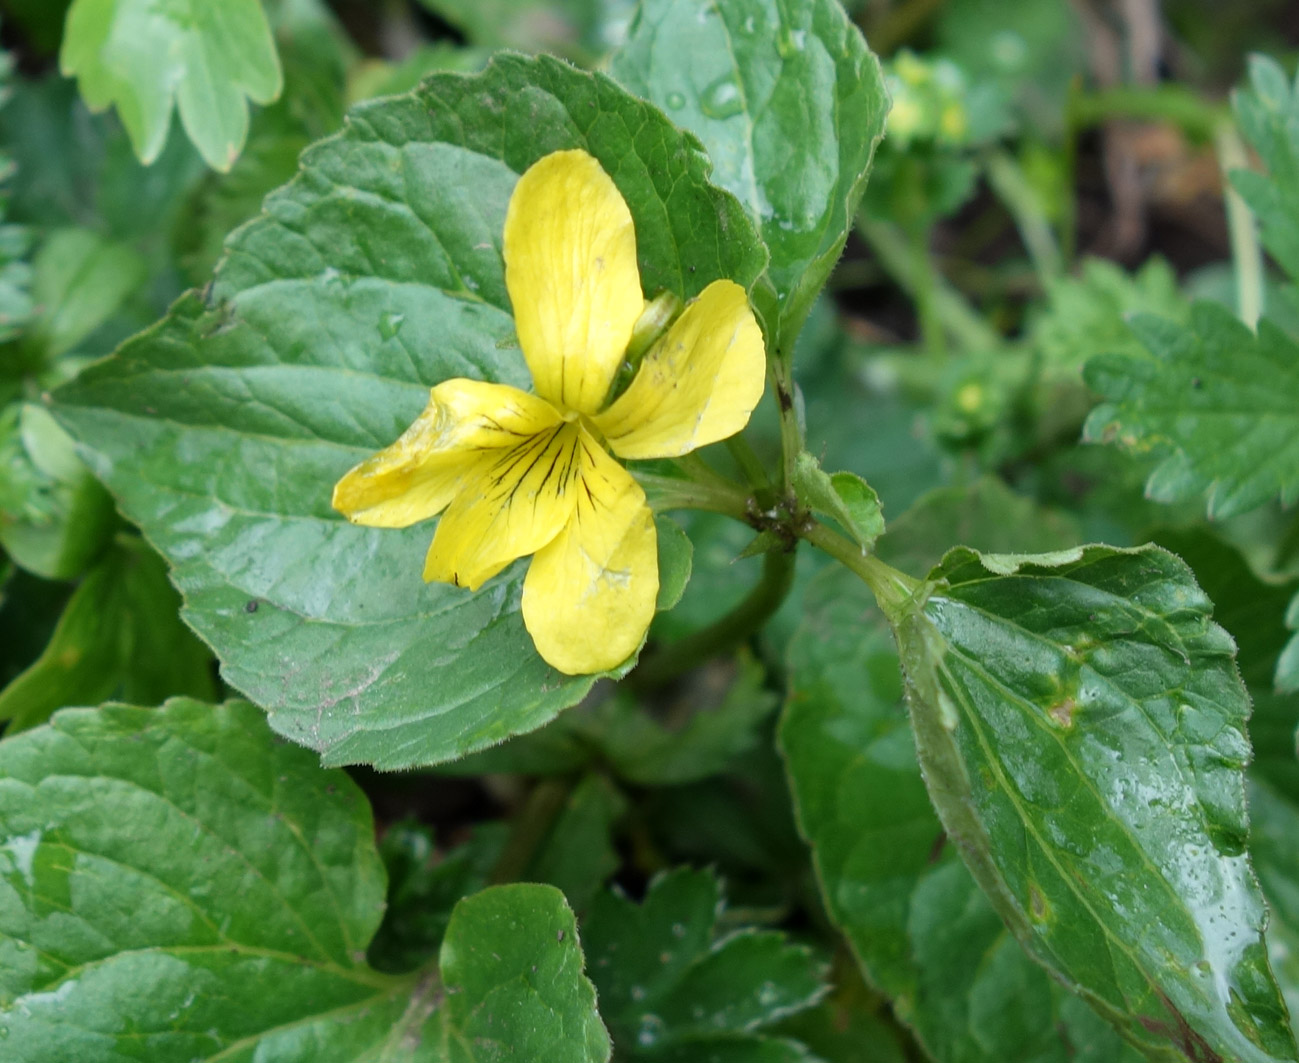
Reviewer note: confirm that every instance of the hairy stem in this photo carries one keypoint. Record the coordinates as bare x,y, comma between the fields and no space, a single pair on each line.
893,590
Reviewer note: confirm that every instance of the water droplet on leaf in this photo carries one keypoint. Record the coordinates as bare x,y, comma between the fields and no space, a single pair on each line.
722,99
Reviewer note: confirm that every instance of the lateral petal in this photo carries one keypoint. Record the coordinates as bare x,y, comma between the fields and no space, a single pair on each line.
697,385
417,476
589,596
570,268
514,502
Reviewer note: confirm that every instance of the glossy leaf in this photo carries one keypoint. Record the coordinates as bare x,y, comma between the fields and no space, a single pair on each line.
374,275
672,989
921,929
141,57
1218,404
1081,725
789,102
175,885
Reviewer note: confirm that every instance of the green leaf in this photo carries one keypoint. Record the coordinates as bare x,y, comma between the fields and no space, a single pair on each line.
577,856
1087,314
636,742
1081,724
79,280
424,885
1274,820
1223,401
119,636
374,275
986,515
54,517
843,496
676,554
917,922
141,57
179,886
790,104
671,989
1287,666
1269,118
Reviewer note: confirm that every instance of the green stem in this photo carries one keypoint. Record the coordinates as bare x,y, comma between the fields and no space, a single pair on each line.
893,590
748,462
1246,254
897,257
717,495
791,425
531,827
925,279
731,630
1019,197
1195,116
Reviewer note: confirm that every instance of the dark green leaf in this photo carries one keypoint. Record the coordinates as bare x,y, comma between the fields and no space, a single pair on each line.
1081,724
142,57
986,515
1223,401
669,987
424,884
374,275
119,636
1274,819
921,929
1269,118
789,102
179,886
577,855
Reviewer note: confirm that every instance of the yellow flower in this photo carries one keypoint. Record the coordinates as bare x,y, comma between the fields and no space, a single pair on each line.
516,473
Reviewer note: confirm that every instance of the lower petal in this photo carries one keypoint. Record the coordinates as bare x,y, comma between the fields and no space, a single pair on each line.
512,504
589,596
418,475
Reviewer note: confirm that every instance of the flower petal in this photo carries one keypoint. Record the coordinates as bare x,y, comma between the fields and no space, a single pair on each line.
418,475
589,596
570,267
697,385
512,504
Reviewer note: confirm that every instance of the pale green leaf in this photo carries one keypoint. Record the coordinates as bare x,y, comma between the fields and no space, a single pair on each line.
1217,403
143,56
374,275
843,496
789,102
1081,725
1269,118
175,885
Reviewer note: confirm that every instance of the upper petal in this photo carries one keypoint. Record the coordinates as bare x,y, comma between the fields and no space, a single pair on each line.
589,596
570,267
697,385
514,502
417,476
